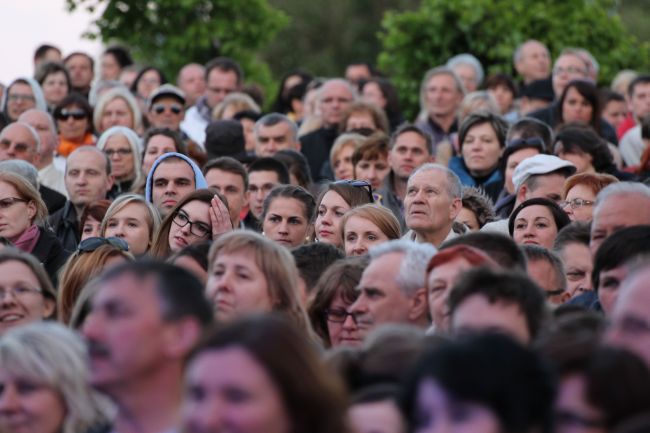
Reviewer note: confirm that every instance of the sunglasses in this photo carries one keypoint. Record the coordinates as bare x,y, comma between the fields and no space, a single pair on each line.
358,184
160,108
65,114
531,141
91,244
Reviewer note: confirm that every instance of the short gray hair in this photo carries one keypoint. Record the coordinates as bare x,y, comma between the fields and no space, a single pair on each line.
471,61
621,188
516,57
273,119
454,185
433,72
412,271
22,168
536,253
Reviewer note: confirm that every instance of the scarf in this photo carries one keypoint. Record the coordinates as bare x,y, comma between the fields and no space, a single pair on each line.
27,241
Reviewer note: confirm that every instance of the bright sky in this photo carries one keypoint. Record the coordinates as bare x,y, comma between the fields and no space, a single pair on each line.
26,24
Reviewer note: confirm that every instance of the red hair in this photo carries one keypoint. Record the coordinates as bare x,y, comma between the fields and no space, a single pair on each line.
474,257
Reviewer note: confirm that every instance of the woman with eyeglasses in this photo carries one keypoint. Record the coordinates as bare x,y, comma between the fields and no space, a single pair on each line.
133,219
287,215
92,257
74,121
23,220
580,191
122,147
334,201
200,216
26,293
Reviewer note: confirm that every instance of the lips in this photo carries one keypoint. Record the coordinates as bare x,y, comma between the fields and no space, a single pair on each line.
324,234
170,203
531,242
284,241
180,241
11,318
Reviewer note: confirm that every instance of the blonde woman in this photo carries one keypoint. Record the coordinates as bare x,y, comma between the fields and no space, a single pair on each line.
131,218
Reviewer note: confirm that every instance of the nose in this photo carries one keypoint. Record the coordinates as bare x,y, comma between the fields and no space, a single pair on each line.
349,323
9,399
91,326
119,231
283,227
7,299
170,189
327,219
530,230
223,282
359,248
210,416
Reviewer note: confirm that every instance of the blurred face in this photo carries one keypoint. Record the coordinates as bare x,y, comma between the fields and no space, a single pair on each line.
191,225
543,273
615,113
16,214
347,332
328,219
373,171
468,217
116,113
22,300
55,88
231,185
481,150
372,94
408,153
615,213
577,268
535,225
477,314
158,145
148,82
237,287
356,73
376,417
192,82
86,179
29,406
609,283
360,120
567,68
548,186
582,160
335,98
535,62
260,184
442,98
91,228
249,135
271,139
576,108
640,100
513,161
20,98
573,412
80,70
343,167
428,206
110,69
130,223
40,121
189,264
437,411
172,180
504,98
219,85
360,234
228,390
579,203
166,112
467,75
72,123
17,142
118,150
439,283
286,222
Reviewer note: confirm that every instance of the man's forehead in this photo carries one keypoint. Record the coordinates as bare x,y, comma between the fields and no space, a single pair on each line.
86,159
222,177
125,289
263,176
428,177
173,166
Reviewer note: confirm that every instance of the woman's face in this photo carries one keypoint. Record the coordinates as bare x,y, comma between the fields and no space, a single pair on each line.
535,225
576,108
359,234
16,214
582,160
439,283
372,94
158,145
110,68
118,150
372,171
22,300
481,150
72,123
504,98
55,88
237,286
149,81
28,406
573,412
91,228
343,167
330,211
286,222
227,390
347,332
116,113
513,161
20,98
190,225
130,224
437,411
584,194
468,217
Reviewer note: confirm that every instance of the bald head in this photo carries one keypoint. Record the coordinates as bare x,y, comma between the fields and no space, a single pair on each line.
19,141
334,97
43,123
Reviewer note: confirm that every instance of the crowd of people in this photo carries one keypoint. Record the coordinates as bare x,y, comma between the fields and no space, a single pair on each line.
179,258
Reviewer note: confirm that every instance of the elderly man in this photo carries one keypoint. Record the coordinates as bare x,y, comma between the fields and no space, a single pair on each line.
392,288
532,61
191,80
432,202
334,97
275,132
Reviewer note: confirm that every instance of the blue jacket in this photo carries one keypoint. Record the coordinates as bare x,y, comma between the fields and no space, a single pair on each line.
492,185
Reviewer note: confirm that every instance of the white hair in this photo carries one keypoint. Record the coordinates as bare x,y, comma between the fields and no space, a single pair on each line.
134,143
412,270
621,188
454,185
471,61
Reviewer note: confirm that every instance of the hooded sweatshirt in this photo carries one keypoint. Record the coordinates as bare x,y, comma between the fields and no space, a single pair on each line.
199,180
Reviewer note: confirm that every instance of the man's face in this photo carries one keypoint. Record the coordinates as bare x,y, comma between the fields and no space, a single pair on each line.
567,68
380,298
39,121
166,112
428,207
260,184
230,185
220,84
125,333
615,112
477,313
535,62
20,98
192,82
578,265
172,180
547,186
81,71
630,318
86,179
271,139
356,73
441,97
640,100
542,272
609,282
615,213
335,98
409,153
16,142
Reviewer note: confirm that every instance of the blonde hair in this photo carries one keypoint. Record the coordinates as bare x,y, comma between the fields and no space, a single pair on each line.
344,140
153,217
380,216
240,101
26,191
110,95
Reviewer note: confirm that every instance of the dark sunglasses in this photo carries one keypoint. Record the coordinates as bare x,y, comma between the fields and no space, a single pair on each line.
65,114
91,244
160,108
531,141
358,184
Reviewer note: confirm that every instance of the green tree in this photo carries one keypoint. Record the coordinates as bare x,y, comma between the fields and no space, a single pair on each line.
415,41
170,33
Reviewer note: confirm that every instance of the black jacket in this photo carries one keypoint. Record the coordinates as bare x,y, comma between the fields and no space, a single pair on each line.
316,147
66,227
50,253
53,199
